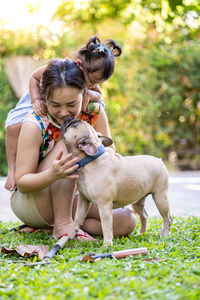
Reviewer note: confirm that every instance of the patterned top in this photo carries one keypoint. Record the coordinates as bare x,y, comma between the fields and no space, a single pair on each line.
51,132
91,114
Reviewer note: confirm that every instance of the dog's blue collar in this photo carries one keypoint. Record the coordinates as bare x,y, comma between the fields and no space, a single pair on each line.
88,158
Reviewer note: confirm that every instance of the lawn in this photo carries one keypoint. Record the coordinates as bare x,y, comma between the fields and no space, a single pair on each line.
175,276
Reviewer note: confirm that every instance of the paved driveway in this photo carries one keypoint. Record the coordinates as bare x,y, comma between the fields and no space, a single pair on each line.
184,196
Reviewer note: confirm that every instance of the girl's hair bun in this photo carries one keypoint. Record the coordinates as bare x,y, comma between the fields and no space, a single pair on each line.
94,40
116,49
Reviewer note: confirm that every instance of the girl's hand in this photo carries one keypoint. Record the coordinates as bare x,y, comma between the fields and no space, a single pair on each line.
39,107
96,88
62,167
90,96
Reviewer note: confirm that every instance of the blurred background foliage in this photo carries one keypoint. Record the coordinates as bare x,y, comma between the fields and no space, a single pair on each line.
153,98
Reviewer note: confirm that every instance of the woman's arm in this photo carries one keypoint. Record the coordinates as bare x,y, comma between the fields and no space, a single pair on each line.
27,178
102,125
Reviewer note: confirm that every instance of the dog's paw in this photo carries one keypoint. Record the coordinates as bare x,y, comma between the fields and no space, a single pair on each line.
72,234
107,244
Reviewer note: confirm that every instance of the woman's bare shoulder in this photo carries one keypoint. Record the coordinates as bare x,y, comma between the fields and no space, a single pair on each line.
31,128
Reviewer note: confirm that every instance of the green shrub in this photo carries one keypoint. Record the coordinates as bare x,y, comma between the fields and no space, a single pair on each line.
7,102
155,108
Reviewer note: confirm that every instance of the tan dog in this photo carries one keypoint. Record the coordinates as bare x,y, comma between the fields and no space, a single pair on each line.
112,181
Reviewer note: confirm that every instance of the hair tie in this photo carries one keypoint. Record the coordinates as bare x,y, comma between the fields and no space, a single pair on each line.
99,48
112,49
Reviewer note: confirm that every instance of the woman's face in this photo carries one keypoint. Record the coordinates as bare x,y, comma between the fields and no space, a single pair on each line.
65,101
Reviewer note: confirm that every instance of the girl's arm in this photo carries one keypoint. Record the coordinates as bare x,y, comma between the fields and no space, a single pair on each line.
27,178
34,88
90,96
102,125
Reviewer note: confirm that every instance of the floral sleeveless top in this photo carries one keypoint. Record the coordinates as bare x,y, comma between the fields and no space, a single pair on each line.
51,132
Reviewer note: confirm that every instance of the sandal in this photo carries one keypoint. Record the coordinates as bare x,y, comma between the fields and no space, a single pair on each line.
18,228
83,237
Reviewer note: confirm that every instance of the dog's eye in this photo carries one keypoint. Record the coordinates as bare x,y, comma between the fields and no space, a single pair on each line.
74,124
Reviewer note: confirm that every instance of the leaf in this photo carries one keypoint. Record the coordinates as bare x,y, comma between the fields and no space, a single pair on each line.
28,250
88,257
7,250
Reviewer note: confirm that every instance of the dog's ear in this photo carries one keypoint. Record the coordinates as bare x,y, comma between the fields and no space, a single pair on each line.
106,141
85,144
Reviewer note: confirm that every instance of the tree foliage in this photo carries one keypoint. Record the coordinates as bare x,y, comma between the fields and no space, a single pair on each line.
96,12
7,101
153,98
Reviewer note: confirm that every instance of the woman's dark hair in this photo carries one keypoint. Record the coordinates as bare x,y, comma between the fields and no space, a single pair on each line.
60,73
99,56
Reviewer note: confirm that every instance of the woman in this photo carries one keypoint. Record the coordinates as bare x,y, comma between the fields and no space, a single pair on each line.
45,189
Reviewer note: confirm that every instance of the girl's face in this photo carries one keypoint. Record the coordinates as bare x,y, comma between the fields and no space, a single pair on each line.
65,101
93,78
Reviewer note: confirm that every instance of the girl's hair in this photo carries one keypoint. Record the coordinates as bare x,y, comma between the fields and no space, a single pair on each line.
98,56
60,73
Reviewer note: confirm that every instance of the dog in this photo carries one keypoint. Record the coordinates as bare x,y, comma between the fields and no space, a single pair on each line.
110,180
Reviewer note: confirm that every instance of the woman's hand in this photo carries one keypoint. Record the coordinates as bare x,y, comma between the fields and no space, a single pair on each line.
39,107
62,167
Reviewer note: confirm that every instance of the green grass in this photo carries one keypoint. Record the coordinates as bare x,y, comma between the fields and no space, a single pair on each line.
176,276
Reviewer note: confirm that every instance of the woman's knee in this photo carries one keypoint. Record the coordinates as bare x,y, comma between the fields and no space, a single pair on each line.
124,221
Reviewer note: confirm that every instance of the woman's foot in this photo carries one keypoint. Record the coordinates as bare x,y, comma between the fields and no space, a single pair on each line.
64,229
10,181
25,228
31,229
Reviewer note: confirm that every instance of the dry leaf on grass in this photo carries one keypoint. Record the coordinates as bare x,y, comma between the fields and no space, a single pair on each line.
89,258
27,250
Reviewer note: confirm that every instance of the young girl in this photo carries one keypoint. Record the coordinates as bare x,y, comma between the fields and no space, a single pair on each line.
45,187
95,59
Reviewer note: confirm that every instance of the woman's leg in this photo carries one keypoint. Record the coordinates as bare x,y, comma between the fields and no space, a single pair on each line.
124,220
12,134
55,202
